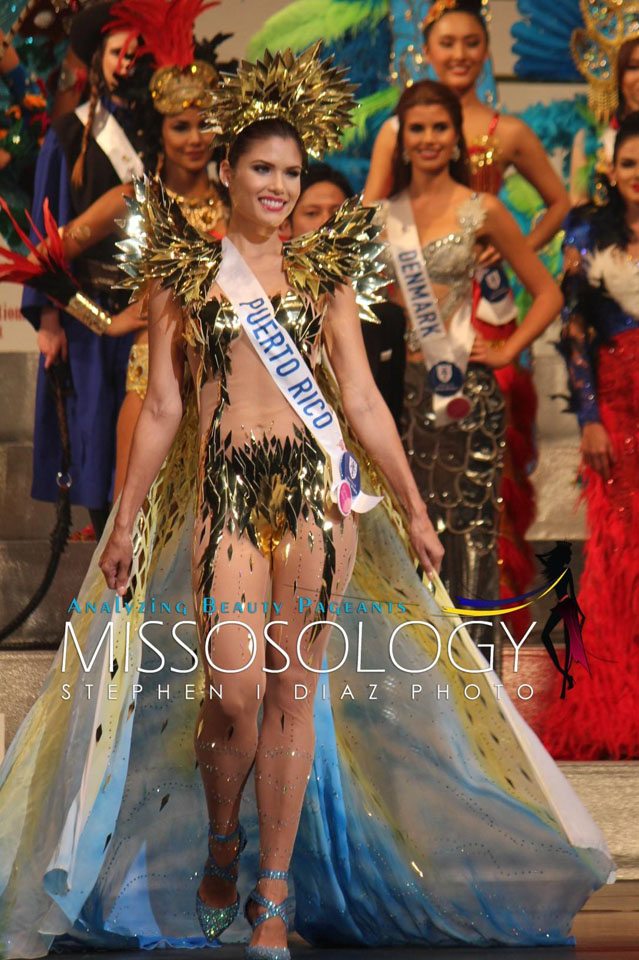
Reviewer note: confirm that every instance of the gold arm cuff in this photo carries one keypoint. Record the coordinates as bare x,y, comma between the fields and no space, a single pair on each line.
89,313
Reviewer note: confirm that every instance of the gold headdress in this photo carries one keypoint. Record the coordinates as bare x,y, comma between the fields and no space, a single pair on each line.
309,93
595,49
166,27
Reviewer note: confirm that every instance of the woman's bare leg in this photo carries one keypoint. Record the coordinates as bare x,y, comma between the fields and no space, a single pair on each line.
287,738
226,729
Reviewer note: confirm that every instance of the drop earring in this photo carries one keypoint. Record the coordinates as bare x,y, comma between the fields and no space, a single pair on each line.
456,154
405,156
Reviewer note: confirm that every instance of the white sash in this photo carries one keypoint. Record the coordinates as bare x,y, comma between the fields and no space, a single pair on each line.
112,139
445,351
291,375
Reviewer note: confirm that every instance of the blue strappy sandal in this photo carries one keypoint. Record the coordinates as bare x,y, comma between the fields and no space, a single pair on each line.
271,910
214,920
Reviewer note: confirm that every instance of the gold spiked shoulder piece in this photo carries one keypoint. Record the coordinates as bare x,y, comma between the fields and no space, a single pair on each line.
343,250
162,245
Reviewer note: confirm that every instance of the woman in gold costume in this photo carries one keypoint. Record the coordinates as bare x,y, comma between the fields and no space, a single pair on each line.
415,821
456,47
263,522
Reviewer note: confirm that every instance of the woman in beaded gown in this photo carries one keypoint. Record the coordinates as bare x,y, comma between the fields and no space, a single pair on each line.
456,47
600,342
457,454
407,819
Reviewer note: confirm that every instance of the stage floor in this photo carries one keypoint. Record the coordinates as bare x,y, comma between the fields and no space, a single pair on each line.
606,929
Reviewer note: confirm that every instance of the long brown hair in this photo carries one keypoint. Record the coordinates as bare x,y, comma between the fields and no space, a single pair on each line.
429,93
623,62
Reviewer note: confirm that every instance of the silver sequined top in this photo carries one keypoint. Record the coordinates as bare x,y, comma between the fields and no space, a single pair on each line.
451,261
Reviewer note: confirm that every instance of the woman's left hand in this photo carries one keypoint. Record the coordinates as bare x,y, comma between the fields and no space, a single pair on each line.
488,353
426,543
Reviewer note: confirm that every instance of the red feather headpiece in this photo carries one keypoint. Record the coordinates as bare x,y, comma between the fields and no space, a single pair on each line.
166,29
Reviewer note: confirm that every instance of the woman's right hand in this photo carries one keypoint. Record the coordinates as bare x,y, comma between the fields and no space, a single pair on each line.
127,321
115,562
597,449
52,340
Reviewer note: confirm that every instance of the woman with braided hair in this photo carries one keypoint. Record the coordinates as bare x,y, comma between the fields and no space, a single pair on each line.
84,154
166,88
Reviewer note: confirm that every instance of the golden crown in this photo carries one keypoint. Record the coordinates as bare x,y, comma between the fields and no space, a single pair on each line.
311,94
595,49
174,89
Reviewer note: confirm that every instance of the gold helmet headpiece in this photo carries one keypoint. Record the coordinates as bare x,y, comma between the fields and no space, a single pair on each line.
595,50
309,93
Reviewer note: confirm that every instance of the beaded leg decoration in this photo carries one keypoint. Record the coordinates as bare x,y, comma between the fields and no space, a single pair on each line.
214,920
271,910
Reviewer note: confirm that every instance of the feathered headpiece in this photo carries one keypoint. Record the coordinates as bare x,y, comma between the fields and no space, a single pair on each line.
309,93
595,49
179,80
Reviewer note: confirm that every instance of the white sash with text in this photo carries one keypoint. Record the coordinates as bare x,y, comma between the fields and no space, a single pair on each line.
290,373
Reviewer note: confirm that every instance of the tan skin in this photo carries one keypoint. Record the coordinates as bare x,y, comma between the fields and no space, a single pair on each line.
51,339
316,205
264,186
596,446
456,49
629,89
430,139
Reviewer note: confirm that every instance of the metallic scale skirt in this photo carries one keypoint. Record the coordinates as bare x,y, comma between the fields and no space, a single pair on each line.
458,471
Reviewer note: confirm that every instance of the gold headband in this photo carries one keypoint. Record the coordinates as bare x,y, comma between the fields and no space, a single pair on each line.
437,11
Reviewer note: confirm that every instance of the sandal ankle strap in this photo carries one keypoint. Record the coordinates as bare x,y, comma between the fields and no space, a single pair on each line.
271,909
229,871
273,875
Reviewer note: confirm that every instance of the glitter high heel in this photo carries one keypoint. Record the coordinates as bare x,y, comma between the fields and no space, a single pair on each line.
214,920
271,910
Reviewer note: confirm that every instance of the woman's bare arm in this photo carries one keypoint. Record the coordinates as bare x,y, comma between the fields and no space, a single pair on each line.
372,421
155,430
502,231
97,221
380,174
531,160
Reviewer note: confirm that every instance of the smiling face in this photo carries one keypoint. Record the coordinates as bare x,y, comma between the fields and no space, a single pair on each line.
184,140
117,56
316,206
629,85
264,182
625,170
429,137
456,48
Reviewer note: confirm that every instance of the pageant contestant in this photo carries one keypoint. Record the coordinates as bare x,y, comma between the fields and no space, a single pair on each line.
456,46
454,412
84,155
166,87
425,819
606,52
323,190
598,720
